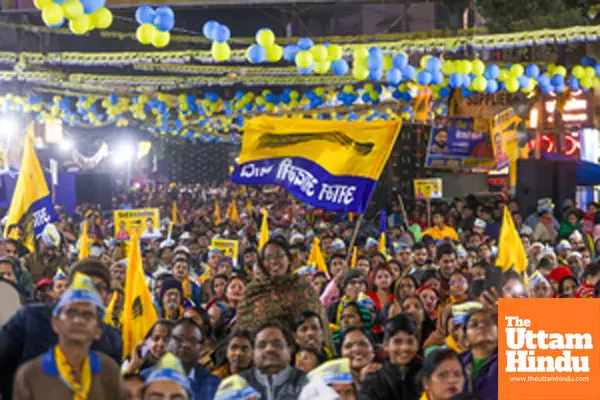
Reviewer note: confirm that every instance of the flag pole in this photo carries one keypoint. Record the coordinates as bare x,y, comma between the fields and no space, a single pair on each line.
354,236
428,202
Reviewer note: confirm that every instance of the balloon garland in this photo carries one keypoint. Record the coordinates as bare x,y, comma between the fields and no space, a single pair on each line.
83,15
219,34
155,25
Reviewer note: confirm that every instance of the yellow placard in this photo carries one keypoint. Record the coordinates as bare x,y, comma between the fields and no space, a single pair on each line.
428,188
145,220
230,248
503,131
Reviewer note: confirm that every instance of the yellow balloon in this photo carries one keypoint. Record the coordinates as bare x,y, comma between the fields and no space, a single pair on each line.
517,70
477,67
578,71
319,52
304,59
220,51
274,53
52,14
81,25
361,53
589,72
265,37
387,63
145,33
560,70
360,74
41,4
73,9
448,67
321,67
334,52
102,18
423,61
512,85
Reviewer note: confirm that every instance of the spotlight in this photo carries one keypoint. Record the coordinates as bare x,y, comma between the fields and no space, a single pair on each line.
123,153
9,126
66,145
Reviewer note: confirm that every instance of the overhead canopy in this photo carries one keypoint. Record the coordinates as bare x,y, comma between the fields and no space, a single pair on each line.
588,173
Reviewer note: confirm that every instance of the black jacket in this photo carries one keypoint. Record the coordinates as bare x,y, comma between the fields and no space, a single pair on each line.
29,334
390,383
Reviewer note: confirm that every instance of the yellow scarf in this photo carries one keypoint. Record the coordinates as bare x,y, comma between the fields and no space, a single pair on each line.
187,288
424,396
110,310
452,344
80,390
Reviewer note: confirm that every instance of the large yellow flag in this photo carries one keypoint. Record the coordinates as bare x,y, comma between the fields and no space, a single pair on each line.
232,212
249,208
264,229
31,206
139,313
511,252
316,258
217,214
84,242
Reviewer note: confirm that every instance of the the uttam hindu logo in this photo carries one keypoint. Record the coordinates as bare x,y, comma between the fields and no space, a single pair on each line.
548,349
523,343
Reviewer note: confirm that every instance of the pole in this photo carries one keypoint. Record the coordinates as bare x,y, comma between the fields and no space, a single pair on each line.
354,236
403,210
428,202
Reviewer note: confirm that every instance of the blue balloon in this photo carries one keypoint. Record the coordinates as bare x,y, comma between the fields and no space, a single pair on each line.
597,69
455,80
492,71
396,94
340,67
162,107
89,6
257,54
394,76
166,10
306,71
113,99
433,64
376,74
557,80
467,79
588,61
400,61
290,51
466,93
376,52
374,62
59,2
424,78
209,28
222,34
445,92
305,43
409,72
437,78
543,80
559,88
547,89
270,98
523,81
366,97
573,83
492,86
532,71
164,22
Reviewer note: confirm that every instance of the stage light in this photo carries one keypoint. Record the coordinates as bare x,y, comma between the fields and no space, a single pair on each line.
123,153
9,126
66,145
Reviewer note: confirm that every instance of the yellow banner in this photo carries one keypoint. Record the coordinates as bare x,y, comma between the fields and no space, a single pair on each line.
503,128
143,220
342,148
230,248
428,188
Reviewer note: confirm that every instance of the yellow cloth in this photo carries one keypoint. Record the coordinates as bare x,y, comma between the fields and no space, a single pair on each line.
84,242
441,234
31,187
206,275
108,318
232,212
316,258
174,216
222,372
217,214
139,313
511,252
249,208
452,344
187,288
80,389
264,229
382,244
424,396
354,257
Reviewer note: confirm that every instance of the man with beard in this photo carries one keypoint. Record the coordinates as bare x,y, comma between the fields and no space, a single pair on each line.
440,142
45,262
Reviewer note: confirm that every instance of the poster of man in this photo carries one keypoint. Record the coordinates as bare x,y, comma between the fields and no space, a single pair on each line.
145,220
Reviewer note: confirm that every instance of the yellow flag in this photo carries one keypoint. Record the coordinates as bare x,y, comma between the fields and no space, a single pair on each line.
249,208
316,257
511,252
108,318
139,313
174,216
217,214
84,242
264,229
354,257
382,247
232,212
31,206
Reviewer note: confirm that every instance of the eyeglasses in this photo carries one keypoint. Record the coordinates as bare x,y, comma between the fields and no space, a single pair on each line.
72,314
479,323
191,341
275,256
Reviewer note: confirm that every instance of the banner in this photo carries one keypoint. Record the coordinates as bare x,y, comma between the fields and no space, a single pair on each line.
331,165
145,220
428,188
230,248
503,128
460,143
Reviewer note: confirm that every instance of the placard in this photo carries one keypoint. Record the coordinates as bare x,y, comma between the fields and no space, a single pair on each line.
230,248
146,220
428,188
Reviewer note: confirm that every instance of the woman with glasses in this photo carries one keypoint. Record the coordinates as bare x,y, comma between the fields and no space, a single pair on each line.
480,362
278,293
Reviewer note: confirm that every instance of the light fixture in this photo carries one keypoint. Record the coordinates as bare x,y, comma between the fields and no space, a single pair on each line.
66,145
123,153
9,126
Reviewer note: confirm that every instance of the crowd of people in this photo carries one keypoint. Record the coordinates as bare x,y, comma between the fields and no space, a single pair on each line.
411,314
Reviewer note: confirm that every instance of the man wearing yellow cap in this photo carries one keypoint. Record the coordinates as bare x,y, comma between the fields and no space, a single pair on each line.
70,370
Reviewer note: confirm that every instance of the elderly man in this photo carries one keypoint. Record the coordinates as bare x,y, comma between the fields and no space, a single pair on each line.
45,262
70,369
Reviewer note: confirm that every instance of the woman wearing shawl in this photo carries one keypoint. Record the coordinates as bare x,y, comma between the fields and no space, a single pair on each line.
277,294
570,223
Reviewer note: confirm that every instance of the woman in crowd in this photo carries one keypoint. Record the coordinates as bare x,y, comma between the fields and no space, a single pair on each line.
356,345
442,376
234,291
383,286
147,353
217,286
404,287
